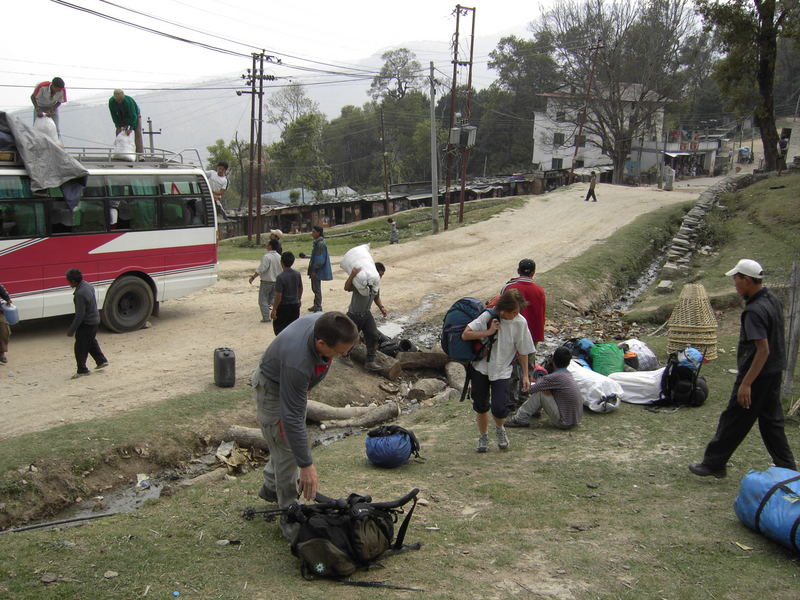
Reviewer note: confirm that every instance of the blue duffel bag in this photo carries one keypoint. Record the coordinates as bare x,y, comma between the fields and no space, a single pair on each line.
391,446
769,503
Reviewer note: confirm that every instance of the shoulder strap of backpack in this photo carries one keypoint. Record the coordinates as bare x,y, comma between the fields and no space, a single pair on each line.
401,533
466,382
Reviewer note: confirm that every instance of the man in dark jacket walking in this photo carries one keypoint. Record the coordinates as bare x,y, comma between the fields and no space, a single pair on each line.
760,360
84,325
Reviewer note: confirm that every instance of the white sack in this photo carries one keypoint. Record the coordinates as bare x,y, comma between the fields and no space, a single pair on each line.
600,394
647,358
47,126
640,387
368,277
124,148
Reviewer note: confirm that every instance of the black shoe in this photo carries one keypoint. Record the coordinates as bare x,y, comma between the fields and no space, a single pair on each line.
267,494
702,470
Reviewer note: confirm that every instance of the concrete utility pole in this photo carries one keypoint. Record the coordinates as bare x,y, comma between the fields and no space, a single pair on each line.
434,159
385,168
467,115
150,133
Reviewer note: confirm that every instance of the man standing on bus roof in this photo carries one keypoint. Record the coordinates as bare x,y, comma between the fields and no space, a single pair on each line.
319,266
296,361
127,117
84,325
219,184
46,98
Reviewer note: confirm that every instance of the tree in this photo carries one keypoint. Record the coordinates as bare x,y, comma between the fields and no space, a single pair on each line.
635,51
288,104
352,147
749,31
298,156
398,75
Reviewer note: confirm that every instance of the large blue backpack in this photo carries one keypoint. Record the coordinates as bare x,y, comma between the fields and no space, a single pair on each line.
461,314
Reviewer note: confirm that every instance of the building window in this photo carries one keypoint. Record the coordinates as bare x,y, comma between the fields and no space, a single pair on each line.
561,115
580,140
578,164
558,139
557,163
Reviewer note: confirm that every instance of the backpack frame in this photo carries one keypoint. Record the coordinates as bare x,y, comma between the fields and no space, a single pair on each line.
680,384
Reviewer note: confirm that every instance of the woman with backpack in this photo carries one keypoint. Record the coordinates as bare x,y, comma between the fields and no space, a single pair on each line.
505,336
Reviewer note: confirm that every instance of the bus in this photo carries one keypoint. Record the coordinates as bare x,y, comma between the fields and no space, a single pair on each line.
140,232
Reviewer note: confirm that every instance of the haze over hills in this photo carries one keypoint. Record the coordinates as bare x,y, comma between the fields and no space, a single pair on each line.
196,119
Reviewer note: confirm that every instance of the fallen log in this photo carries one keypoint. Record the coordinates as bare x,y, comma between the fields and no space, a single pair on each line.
247,437
317,411
389,367
375,416
422,360
210,477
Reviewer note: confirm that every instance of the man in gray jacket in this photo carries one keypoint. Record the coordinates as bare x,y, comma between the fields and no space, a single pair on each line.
296,361
84,325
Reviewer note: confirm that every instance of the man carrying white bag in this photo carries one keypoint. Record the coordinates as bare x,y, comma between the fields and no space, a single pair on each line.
364,281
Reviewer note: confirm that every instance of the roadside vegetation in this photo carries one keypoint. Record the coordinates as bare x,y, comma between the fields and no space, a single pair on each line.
608,510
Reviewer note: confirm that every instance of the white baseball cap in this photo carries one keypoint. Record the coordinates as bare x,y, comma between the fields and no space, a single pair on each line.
276,232
747,267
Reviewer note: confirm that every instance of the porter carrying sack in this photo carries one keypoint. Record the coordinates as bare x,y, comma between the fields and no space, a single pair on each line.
391,446
769,503
338,537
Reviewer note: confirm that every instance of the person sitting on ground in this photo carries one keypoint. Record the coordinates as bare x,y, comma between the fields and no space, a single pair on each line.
360,313
288,294
556,393
491,376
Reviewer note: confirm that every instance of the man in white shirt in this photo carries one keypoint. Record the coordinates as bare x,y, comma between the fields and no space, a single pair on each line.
219,183
269,269
46,98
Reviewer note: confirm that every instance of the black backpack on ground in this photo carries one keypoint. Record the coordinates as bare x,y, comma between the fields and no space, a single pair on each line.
682,385
337,537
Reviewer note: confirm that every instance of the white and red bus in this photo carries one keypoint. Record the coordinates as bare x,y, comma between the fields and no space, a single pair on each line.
141,233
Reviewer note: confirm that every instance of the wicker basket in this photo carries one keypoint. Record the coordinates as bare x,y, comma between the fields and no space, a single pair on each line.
693,323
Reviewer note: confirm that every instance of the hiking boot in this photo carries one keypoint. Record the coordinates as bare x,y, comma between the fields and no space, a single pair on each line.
346,360
702,470
372,366
267,494
483,443
514,422
502,437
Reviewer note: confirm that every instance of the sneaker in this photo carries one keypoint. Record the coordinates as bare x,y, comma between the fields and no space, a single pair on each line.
702,470
483,443
372,366
80,374
514,422
102,365
502,437
267,494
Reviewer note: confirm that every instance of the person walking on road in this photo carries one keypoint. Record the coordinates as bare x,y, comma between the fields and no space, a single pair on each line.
296,361
592,185
85,323
268,270
319,266
756,395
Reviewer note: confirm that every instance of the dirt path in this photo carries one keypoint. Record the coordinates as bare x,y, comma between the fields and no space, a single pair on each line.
175,355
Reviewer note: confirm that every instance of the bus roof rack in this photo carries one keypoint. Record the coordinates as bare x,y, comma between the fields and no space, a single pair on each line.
155,157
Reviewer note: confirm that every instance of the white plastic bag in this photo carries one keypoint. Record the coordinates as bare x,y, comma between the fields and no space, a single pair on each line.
647,358
47,126
600,393
639,387
368,278
124,148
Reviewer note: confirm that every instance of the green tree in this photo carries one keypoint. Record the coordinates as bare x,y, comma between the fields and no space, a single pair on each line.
400,74
749,32
298,157
352,147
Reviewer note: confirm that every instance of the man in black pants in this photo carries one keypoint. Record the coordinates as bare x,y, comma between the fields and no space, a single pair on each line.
84,325
760,360
360,313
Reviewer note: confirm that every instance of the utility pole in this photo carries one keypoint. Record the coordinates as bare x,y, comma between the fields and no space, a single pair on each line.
385,168
579,137
467,115
434,158
150,133
255,74
453,90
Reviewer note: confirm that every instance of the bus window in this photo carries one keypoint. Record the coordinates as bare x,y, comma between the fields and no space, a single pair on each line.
95,187
182,212
22,219
15,186
136,214
132,185
89,217
180,184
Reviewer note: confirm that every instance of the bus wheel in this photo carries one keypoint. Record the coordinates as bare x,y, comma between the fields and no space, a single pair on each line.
128,304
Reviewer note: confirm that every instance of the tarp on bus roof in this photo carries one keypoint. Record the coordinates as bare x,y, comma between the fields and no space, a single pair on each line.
47,163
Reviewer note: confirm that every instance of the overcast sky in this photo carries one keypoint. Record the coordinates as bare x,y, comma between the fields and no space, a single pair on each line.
46,39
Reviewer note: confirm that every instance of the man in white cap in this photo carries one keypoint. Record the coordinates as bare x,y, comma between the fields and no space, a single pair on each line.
276,235
760,360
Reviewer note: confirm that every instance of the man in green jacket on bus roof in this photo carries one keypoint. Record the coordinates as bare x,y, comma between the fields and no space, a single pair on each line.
126,116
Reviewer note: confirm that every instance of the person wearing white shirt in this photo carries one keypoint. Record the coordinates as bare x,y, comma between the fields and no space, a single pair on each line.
219,183
269,269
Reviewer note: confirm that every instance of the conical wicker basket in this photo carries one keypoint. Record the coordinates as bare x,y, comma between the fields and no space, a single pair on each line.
693,323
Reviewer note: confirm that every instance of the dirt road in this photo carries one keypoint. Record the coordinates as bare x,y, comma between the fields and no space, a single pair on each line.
175,355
